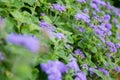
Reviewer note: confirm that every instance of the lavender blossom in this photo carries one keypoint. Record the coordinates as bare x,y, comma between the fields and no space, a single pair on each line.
58,7
54,69
1,56
59,36
112,47
106,18
80,76
115,21
82,16
117,69
108,26
79,52
54,74
117,45
73,64
86,10
91,70
94,6
44,24
28,41
105,72
81,29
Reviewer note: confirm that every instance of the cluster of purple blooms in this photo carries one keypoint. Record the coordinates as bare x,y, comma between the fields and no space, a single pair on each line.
1,56
55,69
82,16
28,41
102,29
58,7
51,30
79,52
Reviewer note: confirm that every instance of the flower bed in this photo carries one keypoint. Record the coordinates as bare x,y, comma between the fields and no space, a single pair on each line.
59,40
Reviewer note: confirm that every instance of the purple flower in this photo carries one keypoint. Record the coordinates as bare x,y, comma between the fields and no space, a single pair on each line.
59,36
54,69
57,64
86,10
105,72
106,18
115,21
117,45
80,76
28,41
81,29
73,64
44,24
81,1
91,70
54,74
108,26
117,69
79,52
58,7
82,16
99,32
1,57
94,6
112,47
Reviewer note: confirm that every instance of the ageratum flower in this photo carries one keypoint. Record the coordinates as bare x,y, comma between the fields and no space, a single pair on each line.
115,21
94,6
91,70
54,74
82,16
58,7
112,47
80,76
106,18
1,56
46,26
117,69
73,64
28,41
81,1
60,36
79,52
86,10
81,29
54,69
99,2
105,72
117,45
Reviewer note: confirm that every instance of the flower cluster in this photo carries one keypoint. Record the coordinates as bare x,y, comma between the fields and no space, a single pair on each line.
54,69
28,41
58,7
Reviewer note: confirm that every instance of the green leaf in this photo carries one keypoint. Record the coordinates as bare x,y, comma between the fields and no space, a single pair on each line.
94,49
47,19
30,2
